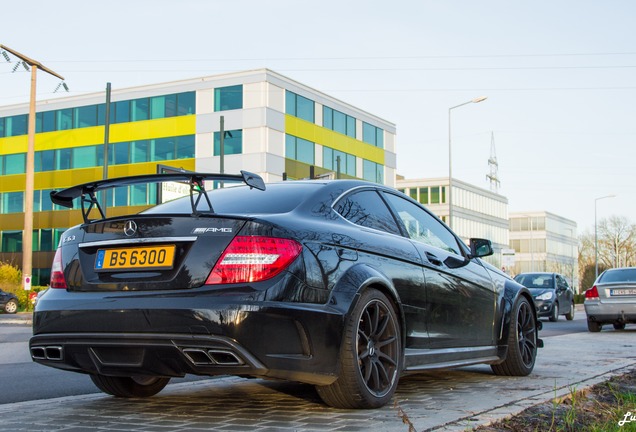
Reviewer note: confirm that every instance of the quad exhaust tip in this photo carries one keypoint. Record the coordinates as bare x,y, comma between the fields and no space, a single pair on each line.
201,357
53,353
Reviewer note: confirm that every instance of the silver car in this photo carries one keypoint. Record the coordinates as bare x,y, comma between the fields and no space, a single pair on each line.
612,299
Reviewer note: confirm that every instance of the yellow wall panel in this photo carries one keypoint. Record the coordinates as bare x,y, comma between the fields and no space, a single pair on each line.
326,137
148,129
11,145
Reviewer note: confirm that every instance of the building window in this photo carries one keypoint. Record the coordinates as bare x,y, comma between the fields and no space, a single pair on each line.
186,103
63,159
413,193
12,241
299,149
372,171
347,161
12,202
423,195
372,135
338,122
299,106
14,164
232,142
14,126
435,195
44,121
228,98
140,109
95,115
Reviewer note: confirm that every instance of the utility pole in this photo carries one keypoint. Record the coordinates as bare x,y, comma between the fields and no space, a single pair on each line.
27,237
106,143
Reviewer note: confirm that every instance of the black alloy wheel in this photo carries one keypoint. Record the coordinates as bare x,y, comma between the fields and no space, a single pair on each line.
522,341
371,356
619,326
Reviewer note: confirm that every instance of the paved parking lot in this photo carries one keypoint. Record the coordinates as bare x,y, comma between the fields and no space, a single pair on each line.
440,400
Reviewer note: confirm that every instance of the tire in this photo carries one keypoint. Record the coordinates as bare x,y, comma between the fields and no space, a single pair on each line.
11,306
130,387
554,316
370,356
522,341
619,326
570,315
594,327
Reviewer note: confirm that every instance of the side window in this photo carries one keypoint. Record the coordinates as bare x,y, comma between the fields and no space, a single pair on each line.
561,283
423,227
367,209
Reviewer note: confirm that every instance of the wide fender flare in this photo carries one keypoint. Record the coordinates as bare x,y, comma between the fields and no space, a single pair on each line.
354,281
512,291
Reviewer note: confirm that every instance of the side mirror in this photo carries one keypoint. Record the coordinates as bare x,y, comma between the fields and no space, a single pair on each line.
480,247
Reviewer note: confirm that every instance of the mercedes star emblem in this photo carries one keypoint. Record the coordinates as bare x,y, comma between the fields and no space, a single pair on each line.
130,228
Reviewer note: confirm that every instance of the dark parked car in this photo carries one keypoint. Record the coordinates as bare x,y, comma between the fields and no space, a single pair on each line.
612,299
342,284
8,302
551,292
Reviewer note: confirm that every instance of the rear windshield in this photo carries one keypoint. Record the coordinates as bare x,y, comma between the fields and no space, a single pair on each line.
618,275
277,198
534,280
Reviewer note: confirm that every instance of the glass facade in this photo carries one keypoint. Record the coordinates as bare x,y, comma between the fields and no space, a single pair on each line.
545,242
372,171
347,161
232,142
299,106
228,98
13,164
372,135
299,149
338,122
94,115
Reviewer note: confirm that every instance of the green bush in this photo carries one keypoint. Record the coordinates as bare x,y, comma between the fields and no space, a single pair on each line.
11,281
10,274
579,298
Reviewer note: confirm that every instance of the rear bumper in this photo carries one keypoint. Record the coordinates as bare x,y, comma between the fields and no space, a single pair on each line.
611,313
289,341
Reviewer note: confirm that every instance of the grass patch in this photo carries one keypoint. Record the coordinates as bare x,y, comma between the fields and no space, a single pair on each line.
606,407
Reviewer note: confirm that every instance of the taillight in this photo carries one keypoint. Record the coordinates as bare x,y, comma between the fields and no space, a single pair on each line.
253,259
592,294
57,271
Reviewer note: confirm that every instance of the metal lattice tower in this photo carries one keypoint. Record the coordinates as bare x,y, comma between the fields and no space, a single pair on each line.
494,166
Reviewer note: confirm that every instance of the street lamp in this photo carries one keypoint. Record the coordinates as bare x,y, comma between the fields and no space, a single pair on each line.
596,235
27,238
450,163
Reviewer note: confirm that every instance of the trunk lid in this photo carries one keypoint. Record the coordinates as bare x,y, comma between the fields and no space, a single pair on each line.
145,252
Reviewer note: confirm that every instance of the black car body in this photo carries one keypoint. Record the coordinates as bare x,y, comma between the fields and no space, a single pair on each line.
343,284
8,302
551,292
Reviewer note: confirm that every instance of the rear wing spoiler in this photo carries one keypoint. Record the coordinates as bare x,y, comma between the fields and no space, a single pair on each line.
88,191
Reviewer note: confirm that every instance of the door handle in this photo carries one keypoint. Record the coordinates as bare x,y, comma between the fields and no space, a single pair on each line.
433,259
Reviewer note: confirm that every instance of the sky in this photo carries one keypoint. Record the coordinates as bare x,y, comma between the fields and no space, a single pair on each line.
559,77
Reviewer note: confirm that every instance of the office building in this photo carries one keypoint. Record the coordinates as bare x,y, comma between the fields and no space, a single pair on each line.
272,125
544,242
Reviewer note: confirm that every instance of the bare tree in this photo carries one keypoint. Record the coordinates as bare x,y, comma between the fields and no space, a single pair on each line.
617,242
616,248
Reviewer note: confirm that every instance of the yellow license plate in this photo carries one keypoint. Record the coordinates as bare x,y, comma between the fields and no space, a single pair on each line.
137,258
